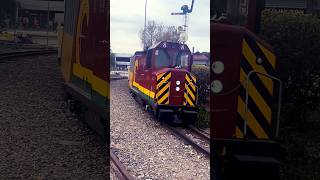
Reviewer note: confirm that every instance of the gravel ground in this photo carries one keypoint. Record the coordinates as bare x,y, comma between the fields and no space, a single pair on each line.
146,148
38,139
112,174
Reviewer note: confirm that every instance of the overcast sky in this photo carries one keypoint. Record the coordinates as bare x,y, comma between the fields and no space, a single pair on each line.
127,18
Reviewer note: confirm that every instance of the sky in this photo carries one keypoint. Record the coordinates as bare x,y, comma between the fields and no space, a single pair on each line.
127,19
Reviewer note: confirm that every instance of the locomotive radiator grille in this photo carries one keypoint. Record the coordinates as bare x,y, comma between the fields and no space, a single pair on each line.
190,93
163,88
259,116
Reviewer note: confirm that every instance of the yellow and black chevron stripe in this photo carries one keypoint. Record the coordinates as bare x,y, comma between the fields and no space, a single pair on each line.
259,117
163,88
190,93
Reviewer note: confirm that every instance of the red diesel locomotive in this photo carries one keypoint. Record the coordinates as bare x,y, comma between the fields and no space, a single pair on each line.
162,78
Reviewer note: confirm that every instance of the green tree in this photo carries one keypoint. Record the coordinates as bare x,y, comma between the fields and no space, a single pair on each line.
296,39
112,59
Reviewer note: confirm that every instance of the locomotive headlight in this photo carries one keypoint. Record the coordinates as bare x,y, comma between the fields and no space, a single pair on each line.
218,67
216,86
178,83
177,89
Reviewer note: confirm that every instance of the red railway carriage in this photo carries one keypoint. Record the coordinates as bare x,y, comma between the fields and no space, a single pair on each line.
161,77
85,63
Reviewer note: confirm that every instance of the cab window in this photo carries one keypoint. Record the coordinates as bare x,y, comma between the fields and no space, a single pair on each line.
182,60
149,57
162,58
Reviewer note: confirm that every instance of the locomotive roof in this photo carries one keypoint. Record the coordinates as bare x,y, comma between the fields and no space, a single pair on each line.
139,53
170,45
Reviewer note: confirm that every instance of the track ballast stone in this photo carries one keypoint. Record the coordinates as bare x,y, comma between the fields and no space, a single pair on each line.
38,138
147,149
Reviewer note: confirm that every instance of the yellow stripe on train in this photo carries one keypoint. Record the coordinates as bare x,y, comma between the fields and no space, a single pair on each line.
251,59
190,90
99,85
258,105
163,88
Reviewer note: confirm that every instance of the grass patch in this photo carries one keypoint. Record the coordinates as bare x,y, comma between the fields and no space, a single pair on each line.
301,163
203,119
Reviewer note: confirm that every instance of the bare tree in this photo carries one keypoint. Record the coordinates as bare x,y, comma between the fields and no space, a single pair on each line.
158,32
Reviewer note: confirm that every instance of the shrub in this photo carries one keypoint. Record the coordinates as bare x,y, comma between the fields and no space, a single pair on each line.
203,118
296,40
202,74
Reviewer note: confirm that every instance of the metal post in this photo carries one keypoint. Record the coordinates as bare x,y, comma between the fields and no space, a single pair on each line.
17,12
16,24
48,19
145,24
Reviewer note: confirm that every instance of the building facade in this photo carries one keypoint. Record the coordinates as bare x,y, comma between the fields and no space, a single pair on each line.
308,6
200,59
38,14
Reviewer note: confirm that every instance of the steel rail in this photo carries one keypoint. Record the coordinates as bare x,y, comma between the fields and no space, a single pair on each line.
11,55
178,133
120,167
200,133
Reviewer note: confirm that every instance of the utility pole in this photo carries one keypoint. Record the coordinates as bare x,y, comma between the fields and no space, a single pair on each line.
48,19
145,24
16,23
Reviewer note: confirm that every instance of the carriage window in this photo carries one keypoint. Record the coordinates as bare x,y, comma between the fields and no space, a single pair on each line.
162,58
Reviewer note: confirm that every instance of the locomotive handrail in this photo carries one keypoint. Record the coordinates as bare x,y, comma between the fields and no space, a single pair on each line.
247,99
197,91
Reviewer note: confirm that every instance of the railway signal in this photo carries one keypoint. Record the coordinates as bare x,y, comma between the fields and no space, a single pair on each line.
185,11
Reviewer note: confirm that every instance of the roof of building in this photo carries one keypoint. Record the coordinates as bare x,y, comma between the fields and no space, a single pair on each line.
42,5
200,57
122,55
287,4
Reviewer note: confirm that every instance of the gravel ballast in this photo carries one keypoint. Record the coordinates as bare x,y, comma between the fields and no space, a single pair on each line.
145,147
39,139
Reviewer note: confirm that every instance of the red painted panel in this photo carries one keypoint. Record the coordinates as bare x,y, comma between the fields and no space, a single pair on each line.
177,97
95,39
226,44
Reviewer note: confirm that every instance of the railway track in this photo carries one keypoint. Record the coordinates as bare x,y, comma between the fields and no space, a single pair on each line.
10,55
199,132
121,171
179,132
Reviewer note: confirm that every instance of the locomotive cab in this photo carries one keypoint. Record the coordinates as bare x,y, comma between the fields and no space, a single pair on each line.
161,77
